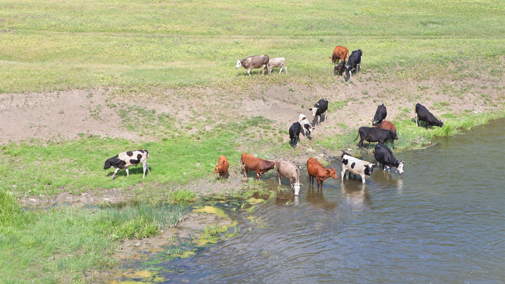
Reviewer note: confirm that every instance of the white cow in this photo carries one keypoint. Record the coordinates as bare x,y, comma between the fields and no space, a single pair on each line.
276,62
356,166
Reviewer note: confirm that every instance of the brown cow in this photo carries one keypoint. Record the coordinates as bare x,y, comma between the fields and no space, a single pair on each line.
388,125
319,172
340,53
222,168
253,163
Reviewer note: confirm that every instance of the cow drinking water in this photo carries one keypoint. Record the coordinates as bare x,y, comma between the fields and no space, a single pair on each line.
290,171
385,157
257,61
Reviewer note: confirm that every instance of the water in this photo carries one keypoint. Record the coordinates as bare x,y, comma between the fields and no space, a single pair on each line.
443,221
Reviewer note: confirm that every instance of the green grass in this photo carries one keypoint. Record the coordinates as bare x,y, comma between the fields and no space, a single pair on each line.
51,45
62,244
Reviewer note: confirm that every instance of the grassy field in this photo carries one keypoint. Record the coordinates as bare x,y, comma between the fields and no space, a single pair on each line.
52,45
148,46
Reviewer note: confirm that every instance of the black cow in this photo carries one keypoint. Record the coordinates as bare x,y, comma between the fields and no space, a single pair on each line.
354,62
339,68
127,159
380,115
320,108
371,134
423,114
294,133
385,157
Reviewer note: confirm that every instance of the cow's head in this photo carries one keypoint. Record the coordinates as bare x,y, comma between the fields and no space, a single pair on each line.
296,188
369,170
392,134
333,173
107,164
399,169
216,169
239,63
314,111
440,123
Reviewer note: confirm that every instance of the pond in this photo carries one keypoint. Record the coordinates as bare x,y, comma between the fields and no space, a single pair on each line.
443,220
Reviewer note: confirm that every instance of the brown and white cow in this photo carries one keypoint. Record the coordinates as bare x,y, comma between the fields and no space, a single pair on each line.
290,171
356,166
127,159
319,172
222,167
276,62
256,61
339,53
253,163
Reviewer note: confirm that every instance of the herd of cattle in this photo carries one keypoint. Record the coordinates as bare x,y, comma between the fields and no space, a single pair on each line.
381,132
340,53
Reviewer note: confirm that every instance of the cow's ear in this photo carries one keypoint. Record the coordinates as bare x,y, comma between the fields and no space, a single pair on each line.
310,108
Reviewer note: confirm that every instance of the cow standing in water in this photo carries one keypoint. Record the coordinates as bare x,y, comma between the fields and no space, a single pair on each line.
317,171
290,171
257,61
384,156
253,163
356,166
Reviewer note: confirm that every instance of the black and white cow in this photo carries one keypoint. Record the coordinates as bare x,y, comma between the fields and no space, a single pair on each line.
319,109
340,68
354,62
356,166
385,157
294,133
371,134
127,159
306,127
380,115
423,114
256,61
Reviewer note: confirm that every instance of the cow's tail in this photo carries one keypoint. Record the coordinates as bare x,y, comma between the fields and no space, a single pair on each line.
346,55
357,136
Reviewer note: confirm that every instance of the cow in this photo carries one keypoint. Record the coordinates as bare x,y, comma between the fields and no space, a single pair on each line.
339,68
290,171
423,114
380,115
319,172
385,157
340,53
354,62
294,133
127,159
374,135
257,61
387,125
356,166
319,109
276,62
222,167
253,163
306,127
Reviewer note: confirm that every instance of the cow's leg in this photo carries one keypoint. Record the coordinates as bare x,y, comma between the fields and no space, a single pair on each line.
342,174
249,72
285,68
279,177
427,125
127,173
417,125
115,172
363,179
